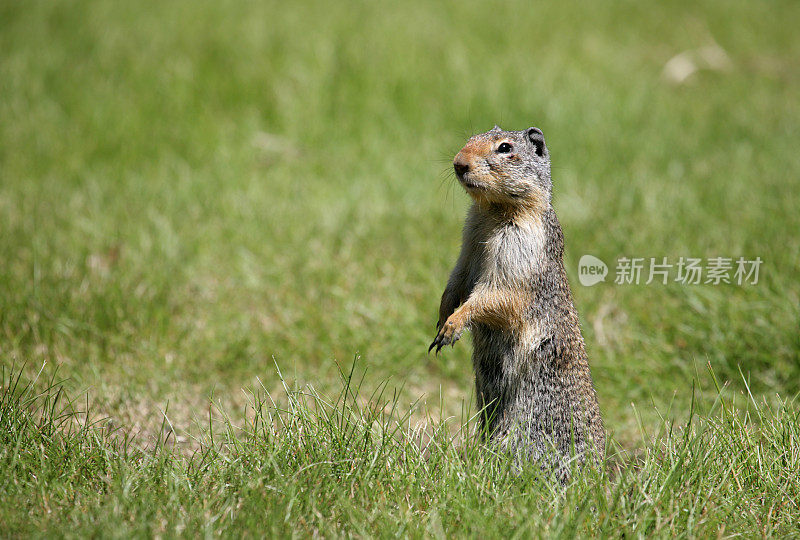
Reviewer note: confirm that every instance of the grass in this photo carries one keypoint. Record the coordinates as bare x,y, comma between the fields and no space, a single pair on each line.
191,193
340,467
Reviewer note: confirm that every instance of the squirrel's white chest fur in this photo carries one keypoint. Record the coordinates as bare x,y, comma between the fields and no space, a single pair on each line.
513,253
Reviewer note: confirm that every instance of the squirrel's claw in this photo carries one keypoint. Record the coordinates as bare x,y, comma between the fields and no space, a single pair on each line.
448,335
438,342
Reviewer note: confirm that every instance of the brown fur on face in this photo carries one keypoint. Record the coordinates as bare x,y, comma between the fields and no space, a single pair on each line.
483,171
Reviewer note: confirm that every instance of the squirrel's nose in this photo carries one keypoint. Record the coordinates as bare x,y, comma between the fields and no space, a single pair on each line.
461,167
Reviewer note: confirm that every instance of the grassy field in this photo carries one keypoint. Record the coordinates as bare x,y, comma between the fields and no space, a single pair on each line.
195,194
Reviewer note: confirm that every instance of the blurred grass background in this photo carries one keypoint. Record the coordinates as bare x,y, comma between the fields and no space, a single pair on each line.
192,191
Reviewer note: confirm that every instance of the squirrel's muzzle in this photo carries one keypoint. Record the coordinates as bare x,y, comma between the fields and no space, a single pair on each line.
461,166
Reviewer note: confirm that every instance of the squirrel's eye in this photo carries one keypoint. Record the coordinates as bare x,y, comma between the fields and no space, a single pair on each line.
505,148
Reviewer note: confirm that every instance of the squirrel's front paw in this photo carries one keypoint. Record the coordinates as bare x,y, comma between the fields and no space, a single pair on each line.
448,334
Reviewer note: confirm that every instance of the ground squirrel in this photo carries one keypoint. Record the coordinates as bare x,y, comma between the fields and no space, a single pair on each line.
509,287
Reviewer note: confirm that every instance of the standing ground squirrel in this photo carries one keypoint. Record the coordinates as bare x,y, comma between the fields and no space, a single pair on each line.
509,287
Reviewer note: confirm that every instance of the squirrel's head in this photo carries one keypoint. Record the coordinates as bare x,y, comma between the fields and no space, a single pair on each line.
507,168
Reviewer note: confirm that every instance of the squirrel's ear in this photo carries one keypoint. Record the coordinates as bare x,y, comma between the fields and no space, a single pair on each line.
497,128
536,137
